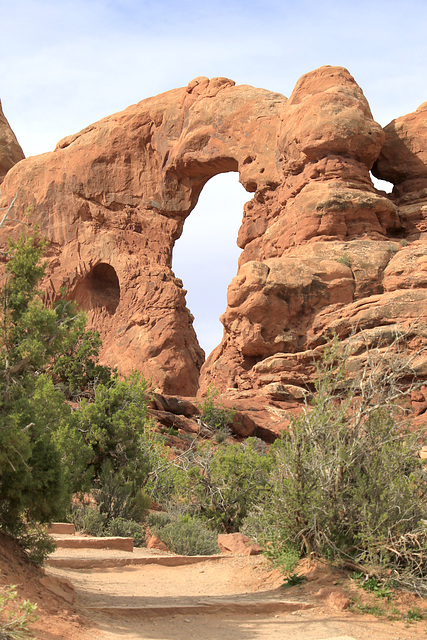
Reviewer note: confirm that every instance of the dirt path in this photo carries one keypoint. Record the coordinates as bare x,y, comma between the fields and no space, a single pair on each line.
301,626
228,598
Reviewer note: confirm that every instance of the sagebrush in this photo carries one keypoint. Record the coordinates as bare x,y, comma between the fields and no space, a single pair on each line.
346,483
188,536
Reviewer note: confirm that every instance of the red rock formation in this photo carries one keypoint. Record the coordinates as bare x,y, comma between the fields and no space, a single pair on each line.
10,151
323,250
331,255
113,198
403,161
238,544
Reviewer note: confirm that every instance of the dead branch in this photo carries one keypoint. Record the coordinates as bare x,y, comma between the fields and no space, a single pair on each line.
9,209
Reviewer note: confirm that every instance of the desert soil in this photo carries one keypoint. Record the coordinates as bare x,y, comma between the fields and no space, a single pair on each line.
227,598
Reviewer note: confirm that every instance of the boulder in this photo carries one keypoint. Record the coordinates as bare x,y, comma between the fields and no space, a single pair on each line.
155,543
334,597
238,544
61,587
173,421
176,405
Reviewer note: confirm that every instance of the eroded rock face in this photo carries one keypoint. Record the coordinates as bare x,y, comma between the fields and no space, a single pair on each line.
323,250
113,199
334,255
10,151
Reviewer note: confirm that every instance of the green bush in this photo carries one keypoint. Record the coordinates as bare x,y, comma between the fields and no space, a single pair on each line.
117,495
345,481
159,519
37,543
16,616
88,519
126,529
109,456
47,451
165,479
188,536
345,259
372,585
112,424
225,482
37,441
215,416
76,369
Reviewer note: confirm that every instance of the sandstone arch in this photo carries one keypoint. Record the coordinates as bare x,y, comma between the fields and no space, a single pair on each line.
119,191
321,247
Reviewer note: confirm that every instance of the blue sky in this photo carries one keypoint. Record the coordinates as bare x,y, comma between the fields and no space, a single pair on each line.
67,63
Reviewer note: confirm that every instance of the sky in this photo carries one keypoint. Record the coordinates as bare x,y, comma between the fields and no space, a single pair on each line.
67,63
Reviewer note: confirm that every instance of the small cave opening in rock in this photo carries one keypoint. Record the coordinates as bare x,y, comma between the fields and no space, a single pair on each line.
99,289
205,256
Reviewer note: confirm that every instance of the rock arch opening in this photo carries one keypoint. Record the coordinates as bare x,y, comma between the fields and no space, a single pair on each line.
381,185
99,289
205,256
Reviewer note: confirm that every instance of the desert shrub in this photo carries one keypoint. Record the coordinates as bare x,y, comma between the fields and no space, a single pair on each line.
345,477
35,475
165,478
36,542
224,483
116,495
345,259
127,529
87,518
47,451
188,536
111,425
283,553
215,416
76,369
159,519
222,433
111,430
15,615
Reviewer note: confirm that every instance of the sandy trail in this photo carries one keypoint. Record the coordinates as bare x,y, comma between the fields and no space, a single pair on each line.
299,626
154,602
136,585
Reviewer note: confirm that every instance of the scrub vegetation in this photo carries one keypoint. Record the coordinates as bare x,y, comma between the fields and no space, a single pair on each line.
76,442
